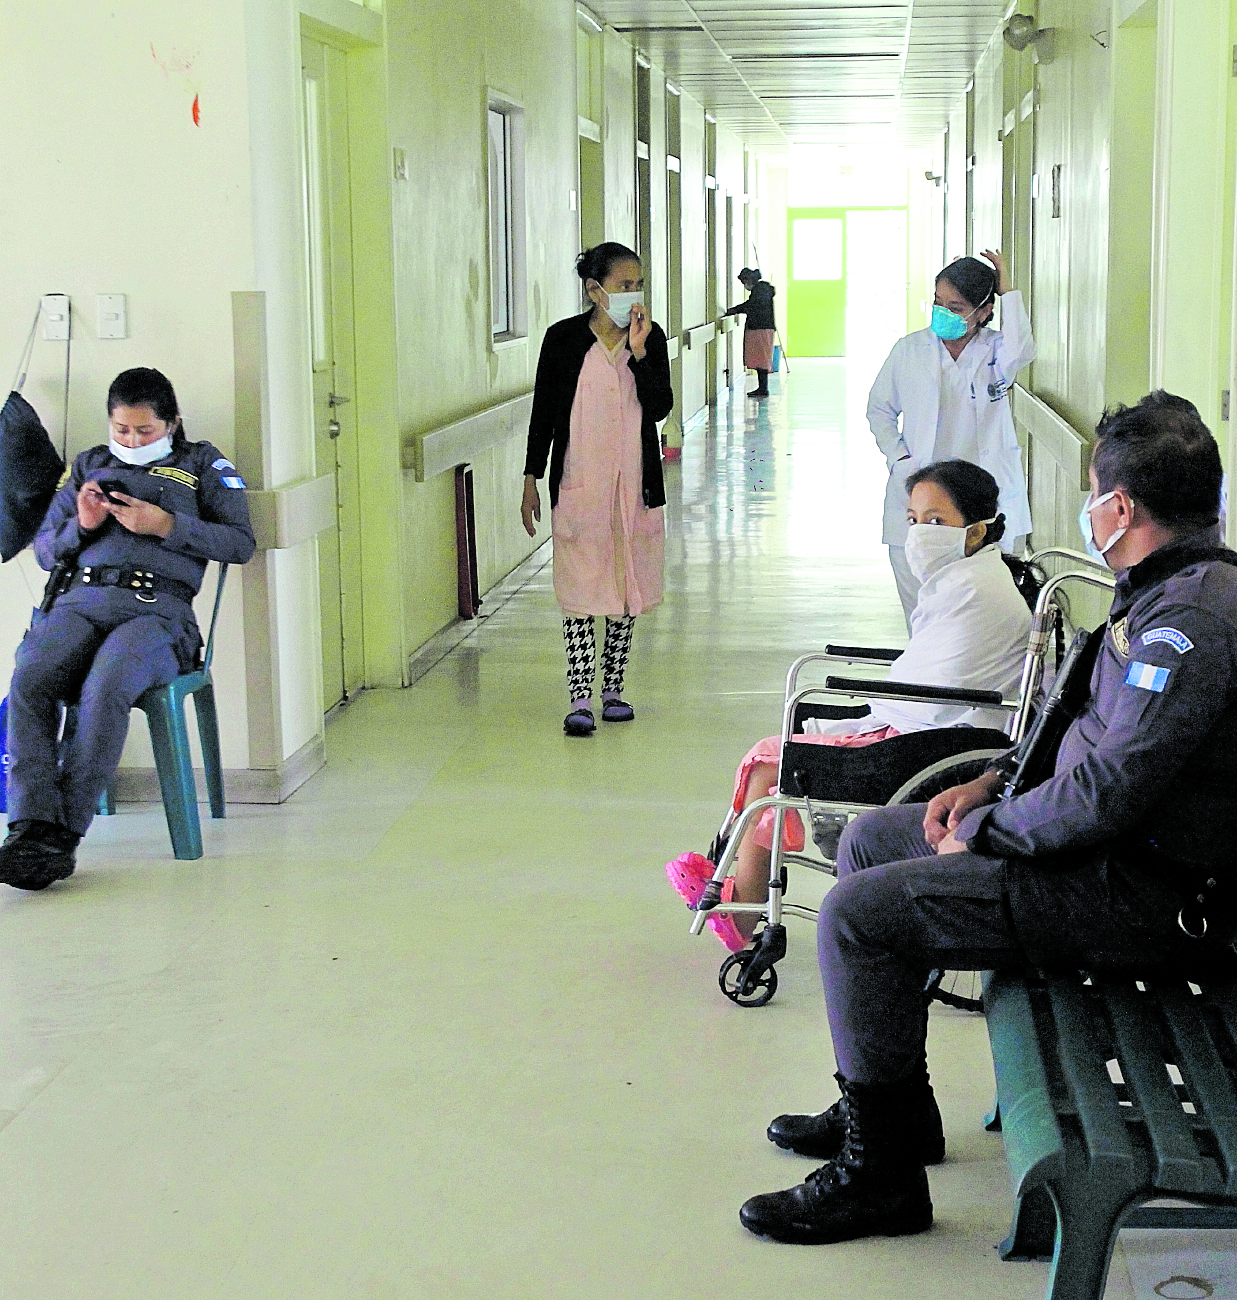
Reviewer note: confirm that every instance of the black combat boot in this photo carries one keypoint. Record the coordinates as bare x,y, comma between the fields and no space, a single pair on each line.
37,853
821,1136
876,1186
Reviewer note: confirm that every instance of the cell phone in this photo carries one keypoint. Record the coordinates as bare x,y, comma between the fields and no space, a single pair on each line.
109,487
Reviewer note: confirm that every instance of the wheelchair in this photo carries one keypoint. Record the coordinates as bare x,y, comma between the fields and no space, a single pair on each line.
828,786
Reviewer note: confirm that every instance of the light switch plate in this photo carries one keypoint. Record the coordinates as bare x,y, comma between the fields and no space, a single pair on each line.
55,314
113,314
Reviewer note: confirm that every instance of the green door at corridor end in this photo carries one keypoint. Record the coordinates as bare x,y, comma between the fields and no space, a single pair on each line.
816,295
847,269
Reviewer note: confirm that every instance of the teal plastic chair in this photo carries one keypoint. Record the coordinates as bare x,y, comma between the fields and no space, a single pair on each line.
164,707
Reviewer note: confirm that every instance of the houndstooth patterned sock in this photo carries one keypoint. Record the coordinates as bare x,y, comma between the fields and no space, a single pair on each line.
615,653
581,656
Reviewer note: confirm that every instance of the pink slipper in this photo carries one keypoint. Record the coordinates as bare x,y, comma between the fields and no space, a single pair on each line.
722,923
689,873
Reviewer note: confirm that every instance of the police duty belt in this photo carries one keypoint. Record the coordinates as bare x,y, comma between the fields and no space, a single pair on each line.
146,586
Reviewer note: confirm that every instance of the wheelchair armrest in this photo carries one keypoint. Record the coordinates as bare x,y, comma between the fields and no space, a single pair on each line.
910,690
862,653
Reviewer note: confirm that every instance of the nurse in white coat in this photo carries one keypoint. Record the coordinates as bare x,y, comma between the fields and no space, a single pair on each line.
950,384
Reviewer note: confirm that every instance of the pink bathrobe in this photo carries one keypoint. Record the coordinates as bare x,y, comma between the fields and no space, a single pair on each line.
609,547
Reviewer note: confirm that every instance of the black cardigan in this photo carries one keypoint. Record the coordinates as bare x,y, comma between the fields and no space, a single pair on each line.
563,350
758,307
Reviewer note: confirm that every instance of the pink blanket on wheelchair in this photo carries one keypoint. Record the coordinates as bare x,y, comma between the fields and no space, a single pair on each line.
769,751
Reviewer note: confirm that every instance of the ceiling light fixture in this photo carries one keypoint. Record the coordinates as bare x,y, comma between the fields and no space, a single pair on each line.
1021,31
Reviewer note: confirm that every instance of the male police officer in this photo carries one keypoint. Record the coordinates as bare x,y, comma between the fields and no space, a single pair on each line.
1100,866
127,538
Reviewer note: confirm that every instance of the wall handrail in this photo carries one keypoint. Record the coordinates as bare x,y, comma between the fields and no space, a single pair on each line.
435,451
1066,444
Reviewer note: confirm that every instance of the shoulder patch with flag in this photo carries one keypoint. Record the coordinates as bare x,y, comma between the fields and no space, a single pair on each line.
1148,676
233,481
222,463
1170,636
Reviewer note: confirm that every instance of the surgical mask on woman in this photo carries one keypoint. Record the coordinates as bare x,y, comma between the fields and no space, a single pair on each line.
618,307
930,547
948,325
1088,533
147,454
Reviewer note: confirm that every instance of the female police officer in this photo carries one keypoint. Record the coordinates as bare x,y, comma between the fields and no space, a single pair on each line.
128,538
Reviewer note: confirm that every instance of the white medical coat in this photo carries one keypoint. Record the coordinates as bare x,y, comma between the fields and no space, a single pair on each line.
949,412
970,629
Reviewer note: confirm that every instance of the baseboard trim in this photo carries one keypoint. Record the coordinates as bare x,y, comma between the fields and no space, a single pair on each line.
440,645
240,784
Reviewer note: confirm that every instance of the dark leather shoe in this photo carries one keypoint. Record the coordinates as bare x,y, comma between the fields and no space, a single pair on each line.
821,1136
840,1203
35,854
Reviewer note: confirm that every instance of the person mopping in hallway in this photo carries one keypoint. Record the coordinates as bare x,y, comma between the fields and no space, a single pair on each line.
758,328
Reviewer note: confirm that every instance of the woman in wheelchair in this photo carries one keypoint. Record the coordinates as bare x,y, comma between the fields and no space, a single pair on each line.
969,629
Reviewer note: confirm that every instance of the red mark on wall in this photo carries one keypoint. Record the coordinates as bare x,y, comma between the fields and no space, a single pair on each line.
179,64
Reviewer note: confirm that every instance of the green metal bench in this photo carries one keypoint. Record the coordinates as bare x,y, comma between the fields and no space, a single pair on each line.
1111,1092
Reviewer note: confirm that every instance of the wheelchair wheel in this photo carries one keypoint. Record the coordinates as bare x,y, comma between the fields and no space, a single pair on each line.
940,776
960,989
733,982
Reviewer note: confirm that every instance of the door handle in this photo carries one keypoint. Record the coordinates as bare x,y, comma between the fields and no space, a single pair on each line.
335,400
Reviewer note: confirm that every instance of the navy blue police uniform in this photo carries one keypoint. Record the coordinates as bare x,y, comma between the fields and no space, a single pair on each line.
121,621
1099,866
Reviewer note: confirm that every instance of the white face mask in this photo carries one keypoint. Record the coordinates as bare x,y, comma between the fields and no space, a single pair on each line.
145,455
618,306
1088,535
930,547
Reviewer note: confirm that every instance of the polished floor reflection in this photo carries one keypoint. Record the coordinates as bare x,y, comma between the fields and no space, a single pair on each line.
435,1028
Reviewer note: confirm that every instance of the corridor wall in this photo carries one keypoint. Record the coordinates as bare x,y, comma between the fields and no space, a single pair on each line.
1105,161
130,132
442,62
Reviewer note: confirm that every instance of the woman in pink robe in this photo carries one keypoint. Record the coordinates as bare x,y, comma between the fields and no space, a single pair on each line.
603,383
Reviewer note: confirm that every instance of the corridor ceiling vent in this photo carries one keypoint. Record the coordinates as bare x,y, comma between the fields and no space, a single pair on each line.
798,71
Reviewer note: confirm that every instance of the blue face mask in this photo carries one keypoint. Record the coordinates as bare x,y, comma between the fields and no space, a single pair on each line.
948,325
1088,534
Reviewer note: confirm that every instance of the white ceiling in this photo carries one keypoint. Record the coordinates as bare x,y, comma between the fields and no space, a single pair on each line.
815,70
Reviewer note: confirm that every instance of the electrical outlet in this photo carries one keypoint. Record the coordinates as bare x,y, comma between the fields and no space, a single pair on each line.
113,316
56,316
